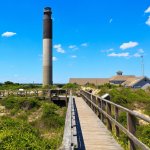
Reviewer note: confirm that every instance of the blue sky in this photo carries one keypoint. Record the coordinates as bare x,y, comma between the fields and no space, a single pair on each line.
91,38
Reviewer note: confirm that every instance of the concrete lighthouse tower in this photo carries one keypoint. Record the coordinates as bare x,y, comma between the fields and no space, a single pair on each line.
47,47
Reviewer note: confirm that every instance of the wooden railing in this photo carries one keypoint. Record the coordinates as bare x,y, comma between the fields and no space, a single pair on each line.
34,92
109,111
70,131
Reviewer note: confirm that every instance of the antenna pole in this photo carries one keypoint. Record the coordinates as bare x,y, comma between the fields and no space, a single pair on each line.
142,65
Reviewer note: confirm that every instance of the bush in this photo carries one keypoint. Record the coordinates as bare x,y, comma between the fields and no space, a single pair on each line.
71,86
16,134
16,103
143,133
8,83
51,116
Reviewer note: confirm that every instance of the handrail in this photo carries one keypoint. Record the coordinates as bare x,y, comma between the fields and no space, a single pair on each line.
70,133
147,119
66,144
97,103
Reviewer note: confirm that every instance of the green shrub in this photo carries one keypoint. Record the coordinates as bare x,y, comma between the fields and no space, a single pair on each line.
16,134
143,133
17,103
51,117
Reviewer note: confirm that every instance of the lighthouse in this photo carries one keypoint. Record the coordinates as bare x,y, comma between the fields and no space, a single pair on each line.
47,47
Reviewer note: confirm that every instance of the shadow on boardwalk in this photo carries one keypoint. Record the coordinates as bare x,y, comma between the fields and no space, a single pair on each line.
81,145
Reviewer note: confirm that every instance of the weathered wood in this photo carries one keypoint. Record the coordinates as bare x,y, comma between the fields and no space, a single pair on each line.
102,107
66,144
131,124
130,135
95,134
116,118
140,116
109,125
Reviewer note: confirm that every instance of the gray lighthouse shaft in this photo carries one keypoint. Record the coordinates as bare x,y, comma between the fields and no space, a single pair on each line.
47,47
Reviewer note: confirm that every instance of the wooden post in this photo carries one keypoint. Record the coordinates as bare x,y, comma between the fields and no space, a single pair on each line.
109,125
131,124
102,107
66,98
91,101
99,105
97,112
116,118
94,101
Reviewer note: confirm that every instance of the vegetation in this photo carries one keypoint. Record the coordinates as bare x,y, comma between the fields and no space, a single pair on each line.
31,124
134,99
8,85
17,134
72,86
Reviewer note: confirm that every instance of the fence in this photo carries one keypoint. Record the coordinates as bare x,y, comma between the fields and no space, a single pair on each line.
104,109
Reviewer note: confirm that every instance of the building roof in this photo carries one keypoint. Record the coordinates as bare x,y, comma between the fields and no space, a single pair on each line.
121,77
130,81
127,80
83,81
133,81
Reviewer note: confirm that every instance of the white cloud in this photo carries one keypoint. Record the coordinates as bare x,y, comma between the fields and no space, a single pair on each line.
110,21
148,21
74,56
8,34
147,10
141,51
128,45
137,55
118,55
73,47
59,48
55,59
107,51
84,44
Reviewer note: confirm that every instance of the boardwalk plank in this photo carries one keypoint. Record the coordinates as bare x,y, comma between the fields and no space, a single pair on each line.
95,134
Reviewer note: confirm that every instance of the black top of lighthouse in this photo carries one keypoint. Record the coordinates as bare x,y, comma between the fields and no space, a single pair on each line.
47,23
48,10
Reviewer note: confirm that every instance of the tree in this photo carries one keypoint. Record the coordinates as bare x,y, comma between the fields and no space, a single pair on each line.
71,86
8,83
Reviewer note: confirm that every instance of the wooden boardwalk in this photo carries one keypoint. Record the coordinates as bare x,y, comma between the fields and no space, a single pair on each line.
95,134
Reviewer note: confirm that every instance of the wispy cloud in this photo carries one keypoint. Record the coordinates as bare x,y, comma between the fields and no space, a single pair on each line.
73,47
8,34
139,53
84,44
55,58
110,21
118,55
107,50
147,10
148,21
128,45
59,48
73,56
